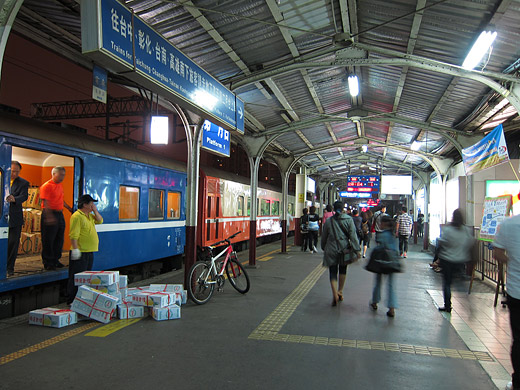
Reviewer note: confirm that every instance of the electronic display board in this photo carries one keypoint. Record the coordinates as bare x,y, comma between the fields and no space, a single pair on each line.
363,184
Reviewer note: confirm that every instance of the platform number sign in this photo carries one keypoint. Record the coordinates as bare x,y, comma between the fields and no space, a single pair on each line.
215,139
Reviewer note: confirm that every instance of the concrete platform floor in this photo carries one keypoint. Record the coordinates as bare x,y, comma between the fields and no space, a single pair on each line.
283,334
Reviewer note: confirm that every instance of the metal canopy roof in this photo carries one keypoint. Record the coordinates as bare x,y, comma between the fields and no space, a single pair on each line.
288,60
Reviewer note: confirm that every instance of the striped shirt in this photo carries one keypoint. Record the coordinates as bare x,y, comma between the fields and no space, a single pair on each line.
405,224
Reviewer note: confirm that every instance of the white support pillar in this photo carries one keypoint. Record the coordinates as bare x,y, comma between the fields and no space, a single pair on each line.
301,192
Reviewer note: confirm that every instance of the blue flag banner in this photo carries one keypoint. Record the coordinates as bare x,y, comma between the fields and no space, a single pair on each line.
488,152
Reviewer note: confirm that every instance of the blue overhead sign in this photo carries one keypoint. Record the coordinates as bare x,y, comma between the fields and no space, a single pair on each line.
114,36
215,138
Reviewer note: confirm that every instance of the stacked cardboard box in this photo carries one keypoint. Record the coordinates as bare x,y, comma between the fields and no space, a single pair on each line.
36,220
30,240
164,300
104,281
55,318
180,295
33,200
127,309
94,304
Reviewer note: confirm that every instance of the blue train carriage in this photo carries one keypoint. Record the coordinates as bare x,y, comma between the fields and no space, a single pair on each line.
141,197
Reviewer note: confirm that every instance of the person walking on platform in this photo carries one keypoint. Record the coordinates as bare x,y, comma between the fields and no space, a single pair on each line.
357,223
403,230
376,223
304,229
366,218
18,194
327,214
387,241
338,233
420,224
84,240
454,248
53,223
313,227
506,249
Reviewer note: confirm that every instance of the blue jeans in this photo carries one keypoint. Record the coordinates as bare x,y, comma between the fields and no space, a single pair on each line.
376,294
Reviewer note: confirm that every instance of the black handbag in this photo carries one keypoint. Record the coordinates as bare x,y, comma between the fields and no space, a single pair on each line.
382,261
348,250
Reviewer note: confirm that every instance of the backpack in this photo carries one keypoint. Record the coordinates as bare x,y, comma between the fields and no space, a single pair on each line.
364,227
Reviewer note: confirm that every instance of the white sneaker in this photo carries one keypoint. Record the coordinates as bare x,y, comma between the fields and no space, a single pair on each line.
314,249
509,386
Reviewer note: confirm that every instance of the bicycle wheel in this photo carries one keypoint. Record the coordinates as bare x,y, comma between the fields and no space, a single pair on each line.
199,290
237,275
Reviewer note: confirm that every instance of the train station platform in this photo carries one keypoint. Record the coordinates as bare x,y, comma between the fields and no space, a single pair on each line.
283,334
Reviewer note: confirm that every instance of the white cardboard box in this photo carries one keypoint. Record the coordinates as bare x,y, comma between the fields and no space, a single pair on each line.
171,312
52,317
167,287
134,290
111,289
127,311
153,298
98,278
94,304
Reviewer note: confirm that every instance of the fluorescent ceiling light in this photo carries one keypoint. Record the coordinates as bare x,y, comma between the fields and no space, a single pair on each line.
364,148
159,130
415,145
479,49
353,85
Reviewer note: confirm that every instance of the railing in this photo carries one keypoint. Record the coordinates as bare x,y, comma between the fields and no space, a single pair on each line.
488,267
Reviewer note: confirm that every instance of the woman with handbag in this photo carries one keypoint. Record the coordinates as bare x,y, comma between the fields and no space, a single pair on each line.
341,247
454,248
388,243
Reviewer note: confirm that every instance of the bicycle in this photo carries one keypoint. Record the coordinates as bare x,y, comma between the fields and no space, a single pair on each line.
204,274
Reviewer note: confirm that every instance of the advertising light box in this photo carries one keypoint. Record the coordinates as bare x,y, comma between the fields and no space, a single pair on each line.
495,188
396,185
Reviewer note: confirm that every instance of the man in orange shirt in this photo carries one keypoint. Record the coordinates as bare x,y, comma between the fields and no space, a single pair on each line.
53,223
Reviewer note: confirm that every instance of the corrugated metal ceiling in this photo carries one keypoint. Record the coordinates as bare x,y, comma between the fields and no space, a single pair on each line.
253,30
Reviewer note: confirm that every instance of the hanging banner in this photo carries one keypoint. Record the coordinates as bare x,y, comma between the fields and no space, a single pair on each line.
490,151
113,36
99,84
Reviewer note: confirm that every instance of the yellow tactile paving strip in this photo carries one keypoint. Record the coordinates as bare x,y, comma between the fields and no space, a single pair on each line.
44,344
107,330
269,329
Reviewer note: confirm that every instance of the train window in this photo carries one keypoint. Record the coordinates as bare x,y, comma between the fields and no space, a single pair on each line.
265,208
240,207
275,208
174,205
128,203
155,204
290,209
248,207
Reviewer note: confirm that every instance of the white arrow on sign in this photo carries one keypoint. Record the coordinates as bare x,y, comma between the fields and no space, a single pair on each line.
240,112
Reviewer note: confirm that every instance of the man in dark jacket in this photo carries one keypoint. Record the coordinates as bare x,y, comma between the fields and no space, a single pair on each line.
18,195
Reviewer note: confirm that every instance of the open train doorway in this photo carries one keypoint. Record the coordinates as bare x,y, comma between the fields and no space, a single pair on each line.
37,169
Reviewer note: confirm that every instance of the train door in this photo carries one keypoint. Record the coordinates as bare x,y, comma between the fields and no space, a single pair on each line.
5,178
213,216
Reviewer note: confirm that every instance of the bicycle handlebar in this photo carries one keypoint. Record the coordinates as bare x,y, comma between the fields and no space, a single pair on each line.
226,240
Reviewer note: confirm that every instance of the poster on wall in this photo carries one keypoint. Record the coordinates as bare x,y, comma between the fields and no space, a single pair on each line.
495,211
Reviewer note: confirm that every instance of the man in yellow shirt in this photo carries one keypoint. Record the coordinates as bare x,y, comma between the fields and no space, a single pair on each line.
84,240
